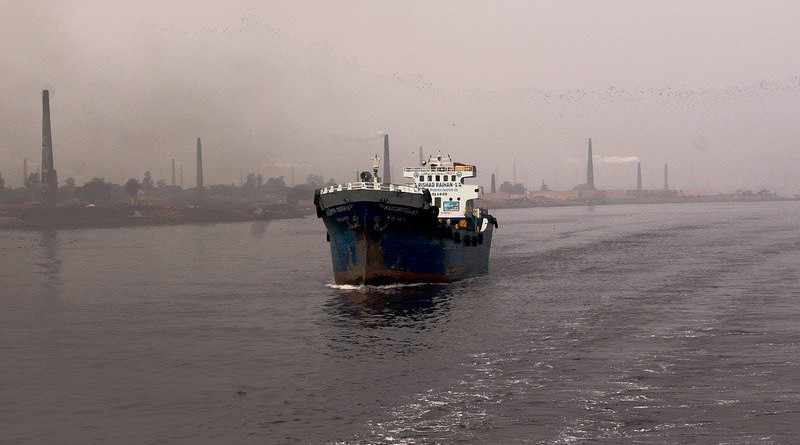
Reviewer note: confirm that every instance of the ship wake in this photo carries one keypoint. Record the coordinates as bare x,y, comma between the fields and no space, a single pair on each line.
368,288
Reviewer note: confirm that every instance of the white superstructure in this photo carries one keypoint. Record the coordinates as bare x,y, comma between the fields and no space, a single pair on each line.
445,181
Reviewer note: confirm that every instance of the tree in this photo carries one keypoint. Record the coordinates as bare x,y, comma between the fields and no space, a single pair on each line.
315,181
33,183
96,190
147,183
254,181
514,189
276,182
67,191
276,185
132,188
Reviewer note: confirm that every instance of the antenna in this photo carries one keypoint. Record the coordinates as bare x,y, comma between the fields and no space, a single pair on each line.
376,163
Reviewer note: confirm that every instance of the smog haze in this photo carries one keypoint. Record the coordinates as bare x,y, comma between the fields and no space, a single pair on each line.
711,88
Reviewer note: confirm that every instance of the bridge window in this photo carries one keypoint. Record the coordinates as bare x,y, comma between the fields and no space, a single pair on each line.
438,178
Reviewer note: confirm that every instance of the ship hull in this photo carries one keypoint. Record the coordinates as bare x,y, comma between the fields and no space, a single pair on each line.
379,237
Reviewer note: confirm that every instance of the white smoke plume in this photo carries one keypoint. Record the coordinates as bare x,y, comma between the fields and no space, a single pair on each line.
616,159
598,159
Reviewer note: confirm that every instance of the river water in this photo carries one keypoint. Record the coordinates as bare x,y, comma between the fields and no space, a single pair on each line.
649,324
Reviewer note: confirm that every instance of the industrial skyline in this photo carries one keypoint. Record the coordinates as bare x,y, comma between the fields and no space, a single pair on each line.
52,183
289,91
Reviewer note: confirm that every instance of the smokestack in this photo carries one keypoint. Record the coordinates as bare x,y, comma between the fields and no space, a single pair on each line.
590,168
199,168
49,176
494,184
420,156
639,176
173,173
387,170
180,167
24,171
666,178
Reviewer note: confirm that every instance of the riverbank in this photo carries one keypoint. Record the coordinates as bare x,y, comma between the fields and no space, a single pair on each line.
123,215
528,201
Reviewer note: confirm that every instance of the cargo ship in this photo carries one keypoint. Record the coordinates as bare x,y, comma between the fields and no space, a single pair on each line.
426,231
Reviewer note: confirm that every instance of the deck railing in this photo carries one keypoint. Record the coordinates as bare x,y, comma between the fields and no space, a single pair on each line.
371,186
457,168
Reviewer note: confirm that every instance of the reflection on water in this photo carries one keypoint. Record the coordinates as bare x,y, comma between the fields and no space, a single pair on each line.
49,263
385,322
390,305
674,325
259,229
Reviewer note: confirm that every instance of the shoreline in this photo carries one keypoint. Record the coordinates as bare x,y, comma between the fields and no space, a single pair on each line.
118,216
130,216
523,204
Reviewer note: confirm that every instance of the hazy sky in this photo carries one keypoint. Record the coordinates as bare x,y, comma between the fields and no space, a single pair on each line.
711,87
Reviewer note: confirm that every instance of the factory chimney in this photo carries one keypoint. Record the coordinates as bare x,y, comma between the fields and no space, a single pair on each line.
590,169
387,169
666,178
199,168
173,173
639,176
49,176
420,156
180,169
494,184
24,172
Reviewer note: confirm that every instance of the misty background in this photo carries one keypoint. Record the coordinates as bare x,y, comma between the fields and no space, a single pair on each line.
711,88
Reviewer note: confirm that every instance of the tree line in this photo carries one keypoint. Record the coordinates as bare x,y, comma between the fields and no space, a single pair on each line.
255,188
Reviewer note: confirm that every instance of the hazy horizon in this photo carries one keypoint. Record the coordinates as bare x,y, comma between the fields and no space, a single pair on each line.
711,89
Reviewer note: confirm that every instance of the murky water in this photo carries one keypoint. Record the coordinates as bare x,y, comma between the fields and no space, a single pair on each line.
655,324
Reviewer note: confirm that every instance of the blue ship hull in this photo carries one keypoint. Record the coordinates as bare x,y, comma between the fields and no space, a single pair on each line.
388,240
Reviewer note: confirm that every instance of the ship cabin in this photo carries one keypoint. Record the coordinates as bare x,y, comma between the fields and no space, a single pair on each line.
445,181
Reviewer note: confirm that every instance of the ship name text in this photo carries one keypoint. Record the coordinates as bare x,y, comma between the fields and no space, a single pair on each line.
339,209
399,209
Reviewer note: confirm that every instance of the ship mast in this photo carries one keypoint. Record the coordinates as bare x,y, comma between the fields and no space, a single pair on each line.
376,163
